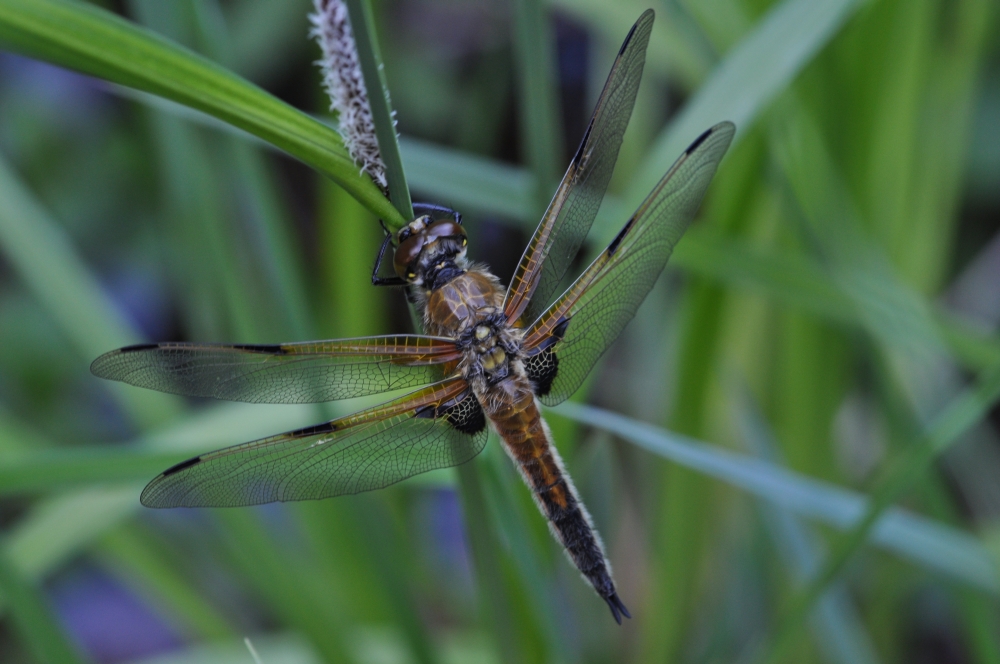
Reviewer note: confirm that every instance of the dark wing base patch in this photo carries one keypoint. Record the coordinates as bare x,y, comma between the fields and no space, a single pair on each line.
542,366
464,414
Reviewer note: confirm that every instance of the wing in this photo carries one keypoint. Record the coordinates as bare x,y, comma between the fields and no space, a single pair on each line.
573,208
441,425
566,341
283,373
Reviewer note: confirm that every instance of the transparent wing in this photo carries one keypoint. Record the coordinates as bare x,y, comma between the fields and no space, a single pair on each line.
283,373
439,426
571,213
566,341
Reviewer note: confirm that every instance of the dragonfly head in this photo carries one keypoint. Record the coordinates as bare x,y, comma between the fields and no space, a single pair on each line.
425,245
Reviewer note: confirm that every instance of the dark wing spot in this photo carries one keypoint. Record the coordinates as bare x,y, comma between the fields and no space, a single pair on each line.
698,141
181,466
578,157
316,429
138,347
613,247
269,349
631,33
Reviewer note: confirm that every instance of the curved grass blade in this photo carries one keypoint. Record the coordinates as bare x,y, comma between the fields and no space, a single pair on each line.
93,41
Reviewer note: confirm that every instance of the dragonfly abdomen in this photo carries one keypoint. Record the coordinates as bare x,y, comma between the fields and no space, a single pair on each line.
527,439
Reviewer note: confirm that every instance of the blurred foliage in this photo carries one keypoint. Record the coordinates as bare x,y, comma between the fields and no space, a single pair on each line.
802,461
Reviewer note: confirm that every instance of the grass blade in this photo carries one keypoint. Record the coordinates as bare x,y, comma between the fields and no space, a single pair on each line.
50,268
131,554
929,544
66,468
56,529
363,24
33,619
93,41
540,130
497,597
753,72
961,414
465,181
836,623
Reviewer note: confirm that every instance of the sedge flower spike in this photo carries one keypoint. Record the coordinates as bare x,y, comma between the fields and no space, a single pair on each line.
345,85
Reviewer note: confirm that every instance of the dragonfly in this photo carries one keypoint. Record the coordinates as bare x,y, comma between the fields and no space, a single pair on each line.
489,357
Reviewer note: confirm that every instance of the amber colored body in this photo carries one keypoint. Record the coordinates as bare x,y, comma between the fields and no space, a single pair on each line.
472,300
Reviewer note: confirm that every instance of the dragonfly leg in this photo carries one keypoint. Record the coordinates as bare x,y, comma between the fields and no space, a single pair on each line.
385,281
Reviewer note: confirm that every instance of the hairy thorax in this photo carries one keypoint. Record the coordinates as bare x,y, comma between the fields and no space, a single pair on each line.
454,306
469,308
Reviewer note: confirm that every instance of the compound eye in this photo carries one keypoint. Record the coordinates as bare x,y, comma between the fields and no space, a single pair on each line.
406,254
404,233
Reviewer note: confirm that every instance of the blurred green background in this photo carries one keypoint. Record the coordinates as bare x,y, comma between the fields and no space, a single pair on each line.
817,476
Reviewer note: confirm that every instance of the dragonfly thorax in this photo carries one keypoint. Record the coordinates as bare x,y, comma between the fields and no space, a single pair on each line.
492,349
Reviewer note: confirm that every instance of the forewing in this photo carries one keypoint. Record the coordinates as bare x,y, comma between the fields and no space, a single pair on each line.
439,426
566,341
282,373
571,213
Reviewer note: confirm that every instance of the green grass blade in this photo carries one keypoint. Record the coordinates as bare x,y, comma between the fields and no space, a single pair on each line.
49,266
269,220
894,314
282,257
53,272
964,412
836,623
272,648
497,597
915,538
224,306
287,582
674,48
32,619
65,468
93,41
390,553
465,181
801,282
541,135
129,553
265,34
370,59
56,529
753,72
500,482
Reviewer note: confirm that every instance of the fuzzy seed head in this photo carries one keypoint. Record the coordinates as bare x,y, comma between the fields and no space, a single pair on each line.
345,85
